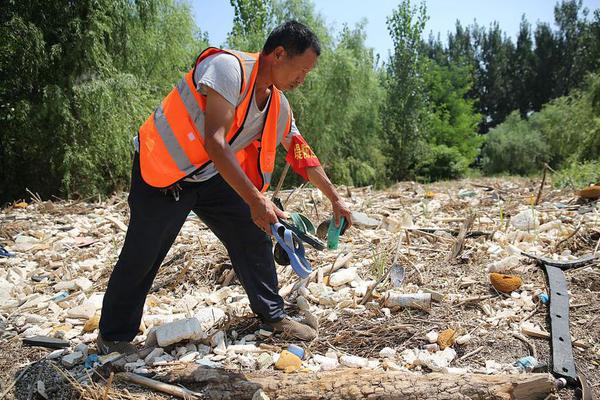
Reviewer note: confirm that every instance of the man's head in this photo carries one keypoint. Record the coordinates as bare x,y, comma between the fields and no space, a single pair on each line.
292,50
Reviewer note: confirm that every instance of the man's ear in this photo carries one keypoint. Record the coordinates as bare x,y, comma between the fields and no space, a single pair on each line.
279,53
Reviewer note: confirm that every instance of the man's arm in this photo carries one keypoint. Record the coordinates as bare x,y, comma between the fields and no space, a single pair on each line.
318,177
219,116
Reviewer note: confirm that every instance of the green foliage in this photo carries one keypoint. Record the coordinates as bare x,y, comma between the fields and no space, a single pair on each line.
577,175
565,131
405,103
441,162
343,128
250,21
515,148
77,80
451,120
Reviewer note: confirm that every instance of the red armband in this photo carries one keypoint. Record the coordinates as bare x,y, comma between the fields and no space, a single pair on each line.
300,156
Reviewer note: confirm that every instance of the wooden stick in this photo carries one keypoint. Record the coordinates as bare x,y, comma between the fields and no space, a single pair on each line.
529,344
539,195
108,385
173,390
460,240
281,179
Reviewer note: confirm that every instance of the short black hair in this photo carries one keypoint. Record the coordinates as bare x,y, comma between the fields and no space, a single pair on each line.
295,38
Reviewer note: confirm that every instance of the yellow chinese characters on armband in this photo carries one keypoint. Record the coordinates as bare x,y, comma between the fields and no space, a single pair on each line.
300,156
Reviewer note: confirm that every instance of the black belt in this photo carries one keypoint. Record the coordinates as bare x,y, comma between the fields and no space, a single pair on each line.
563,362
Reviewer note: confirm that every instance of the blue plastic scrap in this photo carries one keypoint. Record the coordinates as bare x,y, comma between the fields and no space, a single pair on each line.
5,253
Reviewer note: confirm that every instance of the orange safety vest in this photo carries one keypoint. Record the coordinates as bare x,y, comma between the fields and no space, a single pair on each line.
172,138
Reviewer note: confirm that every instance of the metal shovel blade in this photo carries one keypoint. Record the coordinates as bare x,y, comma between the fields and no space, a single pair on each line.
397,274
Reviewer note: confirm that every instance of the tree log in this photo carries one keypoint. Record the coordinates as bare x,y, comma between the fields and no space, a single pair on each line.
362,384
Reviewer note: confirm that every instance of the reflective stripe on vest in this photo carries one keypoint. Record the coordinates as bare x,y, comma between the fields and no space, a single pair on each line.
172,138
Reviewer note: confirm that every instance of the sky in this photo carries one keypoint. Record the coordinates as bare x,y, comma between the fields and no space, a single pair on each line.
216,16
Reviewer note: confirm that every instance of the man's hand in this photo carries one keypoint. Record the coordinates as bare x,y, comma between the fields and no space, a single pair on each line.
340,209
264,213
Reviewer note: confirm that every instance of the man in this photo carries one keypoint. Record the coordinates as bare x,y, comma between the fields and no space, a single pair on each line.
210,148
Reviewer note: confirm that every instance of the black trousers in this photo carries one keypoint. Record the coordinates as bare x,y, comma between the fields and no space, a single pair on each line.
155,221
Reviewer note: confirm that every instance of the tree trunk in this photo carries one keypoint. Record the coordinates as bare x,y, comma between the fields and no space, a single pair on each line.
362,384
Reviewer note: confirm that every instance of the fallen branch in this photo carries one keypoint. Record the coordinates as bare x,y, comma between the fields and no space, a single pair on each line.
360,383
460,240
159,386
539,195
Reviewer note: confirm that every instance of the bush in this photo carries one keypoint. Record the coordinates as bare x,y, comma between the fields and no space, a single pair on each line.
514,147
578,175
442,162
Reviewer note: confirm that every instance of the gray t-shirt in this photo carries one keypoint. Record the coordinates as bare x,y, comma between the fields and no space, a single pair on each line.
222,73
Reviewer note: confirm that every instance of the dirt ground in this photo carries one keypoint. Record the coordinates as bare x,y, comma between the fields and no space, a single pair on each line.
469,303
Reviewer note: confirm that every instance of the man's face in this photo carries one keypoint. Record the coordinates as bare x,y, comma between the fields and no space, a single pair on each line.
289,72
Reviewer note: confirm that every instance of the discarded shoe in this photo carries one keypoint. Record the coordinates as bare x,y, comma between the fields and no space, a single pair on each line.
5,253
293,248
289,327
304,236
108,346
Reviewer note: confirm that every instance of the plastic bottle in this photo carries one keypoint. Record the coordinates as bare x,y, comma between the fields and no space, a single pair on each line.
333,233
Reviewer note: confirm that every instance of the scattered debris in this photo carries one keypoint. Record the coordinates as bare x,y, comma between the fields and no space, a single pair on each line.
438,261
505,283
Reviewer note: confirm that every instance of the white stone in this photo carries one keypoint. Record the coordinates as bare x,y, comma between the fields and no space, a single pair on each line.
65,285
71,359
175,332
209,317
434,361
463,339
141,371
133,365
354,361
432,336
208,363
387,352
25,243
326,363
189,357
526,220
82,348
264,361
83,283
157,352
503,265
55,354
343,276
260,395
243,348
218,342
83,311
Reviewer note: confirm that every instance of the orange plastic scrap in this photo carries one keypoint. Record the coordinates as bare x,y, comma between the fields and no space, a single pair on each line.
591,192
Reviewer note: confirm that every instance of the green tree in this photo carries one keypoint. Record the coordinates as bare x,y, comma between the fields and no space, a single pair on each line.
545,65
513,147
452,120
78,80
495,90
523,65
250,24
405,103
